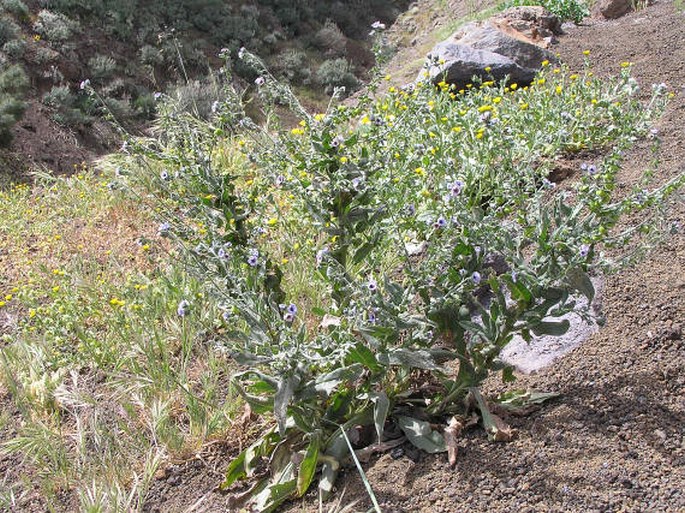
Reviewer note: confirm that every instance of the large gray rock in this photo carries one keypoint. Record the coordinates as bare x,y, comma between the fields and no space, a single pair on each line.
497,44
457,63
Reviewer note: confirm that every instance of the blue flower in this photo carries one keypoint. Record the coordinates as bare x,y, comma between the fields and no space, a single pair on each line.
164,229
441,222
253,259
456,188
164,175
183,308
584,250
475,277
372,285
320,256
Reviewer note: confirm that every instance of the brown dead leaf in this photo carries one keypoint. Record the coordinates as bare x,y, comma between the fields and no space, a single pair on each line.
452,434
501,431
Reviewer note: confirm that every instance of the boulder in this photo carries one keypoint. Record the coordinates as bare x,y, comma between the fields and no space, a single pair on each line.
534,22
611,9
497,44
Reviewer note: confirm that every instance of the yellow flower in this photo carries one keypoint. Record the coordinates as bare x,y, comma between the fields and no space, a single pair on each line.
524,106
485,108
488,69
545,63
456,129
387,77
32,313
302,123
573,77
420,171
284,261
145,247
392,89
272,222
514,86
297,131
558,89
497,99
366,120
55,288
556,70
2,303
318,117
586,52
8,297
343,160
626,64
542,81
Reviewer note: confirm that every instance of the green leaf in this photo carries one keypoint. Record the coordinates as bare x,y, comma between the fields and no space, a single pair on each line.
235,471
380,412
412,358
283,486
421,435
326,383
362,354
285,392
331,464
363,252
508,374
308,465
579,280
555,329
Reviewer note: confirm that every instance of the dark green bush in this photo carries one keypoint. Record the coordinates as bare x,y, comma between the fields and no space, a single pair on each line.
337,73
13,85
17,8
8,30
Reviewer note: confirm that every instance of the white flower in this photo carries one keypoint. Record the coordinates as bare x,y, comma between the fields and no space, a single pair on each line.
260,81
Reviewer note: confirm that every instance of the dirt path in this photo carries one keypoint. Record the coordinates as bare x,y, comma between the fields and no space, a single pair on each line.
615,440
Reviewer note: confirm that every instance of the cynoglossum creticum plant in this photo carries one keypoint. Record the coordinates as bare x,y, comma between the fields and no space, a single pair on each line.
426,224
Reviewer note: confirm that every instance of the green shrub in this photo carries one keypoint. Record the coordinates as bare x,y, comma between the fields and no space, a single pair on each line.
151,56
337,73
13,86
70,109
8,30
15,48
54,26
331,40
373,261
566,10
292,65
101,67
17,8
